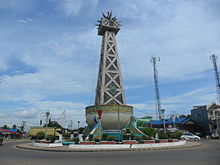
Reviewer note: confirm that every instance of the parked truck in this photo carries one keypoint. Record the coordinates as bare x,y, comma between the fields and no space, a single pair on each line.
49,131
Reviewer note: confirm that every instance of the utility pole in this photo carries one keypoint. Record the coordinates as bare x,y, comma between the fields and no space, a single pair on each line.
156,83
213,59
164,124
71,125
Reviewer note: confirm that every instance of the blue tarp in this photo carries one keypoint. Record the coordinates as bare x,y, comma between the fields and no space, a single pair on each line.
13,130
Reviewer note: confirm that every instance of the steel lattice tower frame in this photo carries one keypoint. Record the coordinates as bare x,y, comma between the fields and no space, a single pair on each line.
156,83
109,90
213,59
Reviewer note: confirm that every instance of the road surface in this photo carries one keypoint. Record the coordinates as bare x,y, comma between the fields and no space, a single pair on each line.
208,154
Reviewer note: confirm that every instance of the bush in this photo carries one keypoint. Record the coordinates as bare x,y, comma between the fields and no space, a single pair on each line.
66,135
175,135
141,123
150,132
84,137
162,135
76,140
51,138
90,137
40,135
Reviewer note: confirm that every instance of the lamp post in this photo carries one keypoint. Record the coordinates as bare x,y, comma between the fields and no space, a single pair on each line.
71,125
78,124
164,126
47,117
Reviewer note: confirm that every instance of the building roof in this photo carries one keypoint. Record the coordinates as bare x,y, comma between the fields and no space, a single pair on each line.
12,131
170,121
147,117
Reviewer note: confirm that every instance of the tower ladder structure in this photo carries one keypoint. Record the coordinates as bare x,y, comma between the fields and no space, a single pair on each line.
156,83
109,90
213,59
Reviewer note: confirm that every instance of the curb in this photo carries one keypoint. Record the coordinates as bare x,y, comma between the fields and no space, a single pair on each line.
59,149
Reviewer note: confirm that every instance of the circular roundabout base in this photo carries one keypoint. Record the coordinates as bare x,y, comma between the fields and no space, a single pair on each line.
114,147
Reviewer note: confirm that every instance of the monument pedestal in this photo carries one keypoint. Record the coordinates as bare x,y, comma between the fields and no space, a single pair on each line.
113,119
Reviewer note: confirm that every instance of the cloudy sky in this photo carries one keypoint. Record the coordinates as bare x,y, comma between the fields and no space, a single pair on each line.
49,55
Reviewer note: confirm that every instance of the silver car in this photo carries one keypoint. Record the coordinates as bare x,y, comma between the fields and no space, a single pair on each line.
189,136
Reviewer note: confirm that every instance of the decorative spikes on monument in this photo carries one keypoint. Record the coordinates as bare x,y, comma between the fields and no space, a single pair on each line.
107,22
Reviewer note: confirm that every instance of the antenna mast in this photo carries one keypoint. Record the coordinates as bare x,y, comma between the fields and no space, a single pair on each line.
156,83
214,58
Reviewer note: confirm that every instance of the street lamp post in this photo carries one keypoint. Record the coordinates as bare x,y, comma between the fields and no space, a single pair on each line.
47,117
71,125
78,124
164,126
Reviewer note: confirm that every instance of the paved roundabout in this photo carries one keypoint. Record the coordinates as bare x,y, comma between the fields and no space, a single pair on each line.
207,153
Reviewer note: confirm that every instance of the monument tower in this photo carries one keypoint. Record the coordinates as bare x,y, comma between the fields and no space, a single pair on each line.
109,85
110,114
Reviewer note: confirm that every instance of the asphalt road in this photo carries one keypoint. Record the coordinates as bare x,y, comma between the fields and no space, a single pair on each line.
208,154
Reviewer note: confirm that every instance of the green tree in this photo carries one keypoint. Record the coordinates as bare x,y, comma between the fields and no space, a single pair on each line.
140,123
162,135
53,124
189,116
182,116
51,138
150,132
14,126
175,134
5,127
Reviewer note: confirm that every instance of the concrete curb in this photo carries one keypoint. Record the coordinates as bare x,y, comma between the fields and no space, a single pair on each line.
28,146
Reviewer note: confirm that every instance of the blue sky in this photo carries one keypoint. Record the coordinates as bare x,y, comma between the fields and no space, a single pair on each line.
49,55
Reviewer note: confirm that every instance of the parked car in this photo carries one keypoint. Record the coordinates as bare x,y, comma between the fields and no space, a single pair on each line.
189,136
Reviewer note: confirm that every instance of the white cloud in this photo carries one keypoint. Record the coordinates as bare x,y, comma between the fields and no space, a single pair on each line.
58,106
197,96
75,7
66,57
25,20
180,36
1,115
26,114
63,68
18,5
142,106
182,103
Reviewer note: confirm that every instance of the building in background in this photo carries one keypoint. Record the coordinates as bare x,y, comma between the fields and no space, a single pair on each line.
11,133
183,123
214,119
200,115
